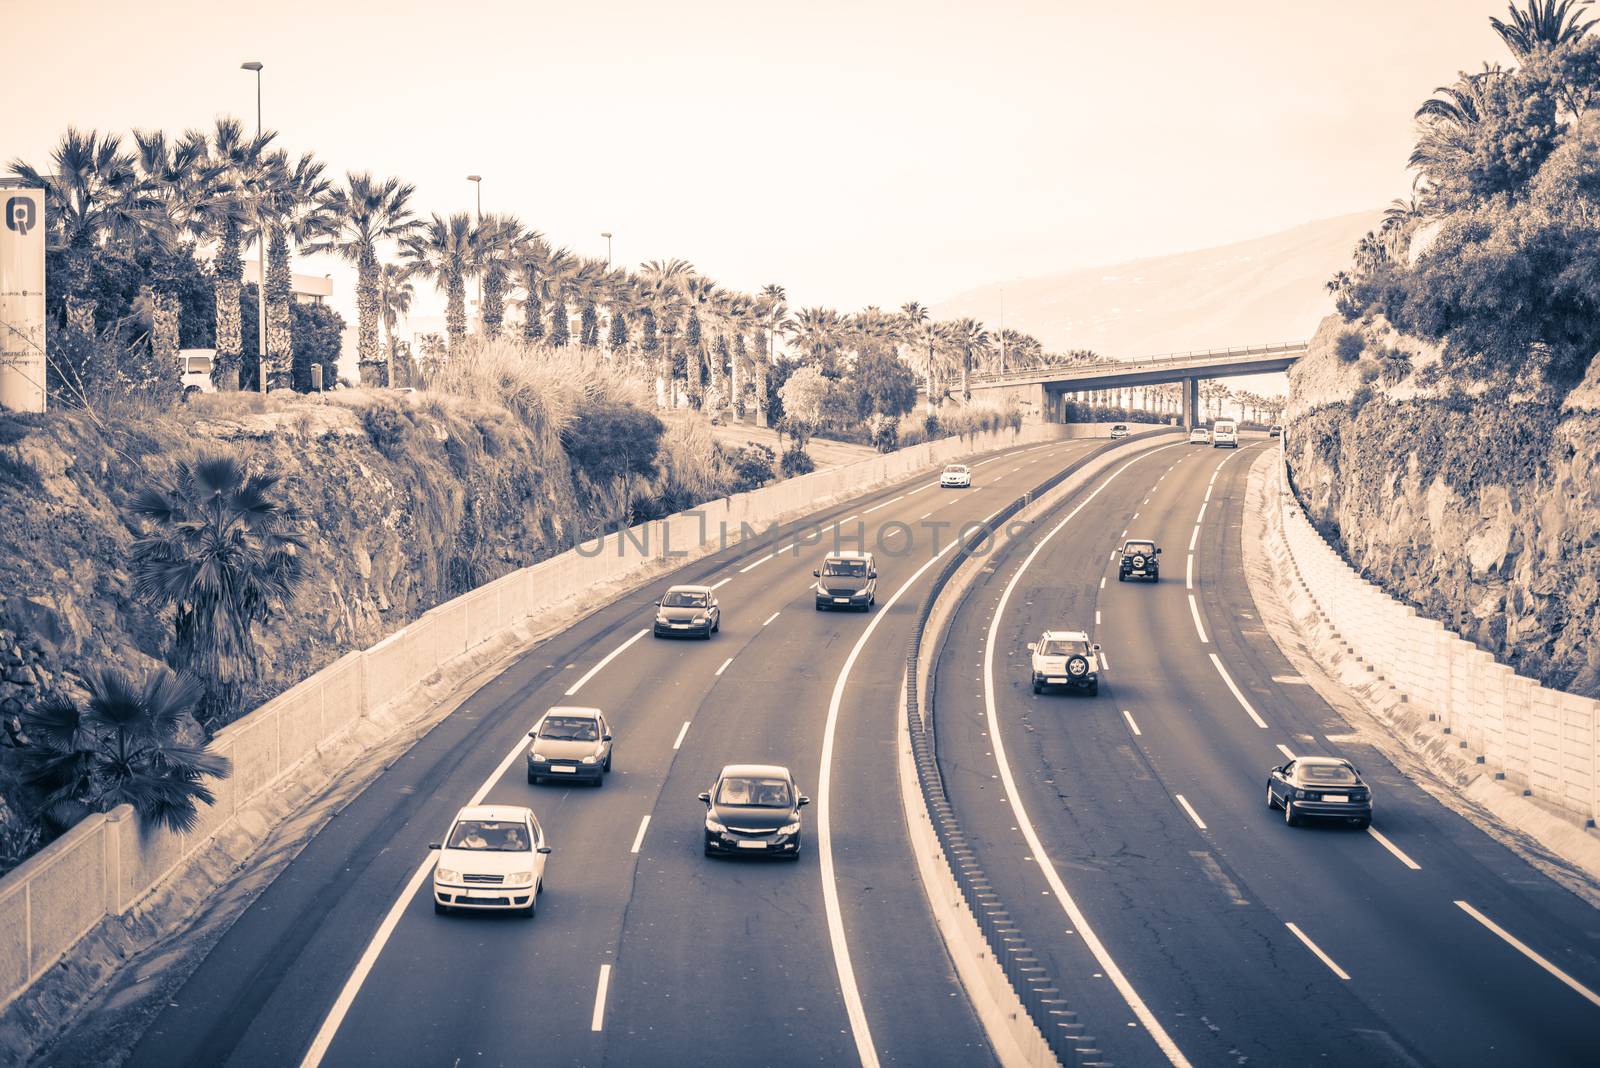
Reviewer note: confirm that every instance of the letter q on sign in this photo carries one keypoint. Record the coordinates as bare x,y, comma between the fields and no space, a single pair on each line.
19,215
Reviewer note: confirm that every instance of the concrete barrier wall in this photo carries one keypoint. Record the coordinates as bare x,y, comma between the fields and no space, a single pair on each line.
107,863
1545,741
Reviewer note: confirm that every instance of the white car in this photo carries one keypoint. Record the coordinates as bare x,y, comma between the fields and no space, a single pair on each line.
492,859
1067,659
1199,436
955,476
1120,430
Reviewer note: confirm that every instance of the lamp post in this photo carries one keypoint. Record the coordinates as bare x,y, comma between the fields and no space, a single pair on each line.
261,253
607,236
477,181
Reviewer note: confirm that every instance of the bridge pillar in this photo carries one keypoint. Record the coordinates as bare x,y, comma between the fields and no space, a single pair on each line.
1189,388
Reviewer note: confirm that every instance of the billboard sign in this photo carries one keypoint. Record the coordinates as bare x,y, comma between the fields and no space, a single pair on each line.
21,299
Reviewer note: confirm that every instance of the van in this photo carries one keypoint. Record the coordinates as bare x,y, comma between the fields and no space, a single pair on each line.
194,370
1224,434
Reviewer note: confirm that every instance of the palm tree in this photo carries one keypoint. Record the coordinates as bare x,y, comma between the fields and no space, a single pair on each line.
589,285
664,282
819,333
121,748
699,357
530,255
1546,24
292,207
179,179
395,293
917,328
364,214
441,252
220,550
561,269
774,311
494,240
239,162
971,339
1446,121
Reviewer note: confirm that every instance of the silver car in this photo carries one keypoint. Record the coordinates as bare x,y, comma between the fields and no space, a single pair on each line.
570,743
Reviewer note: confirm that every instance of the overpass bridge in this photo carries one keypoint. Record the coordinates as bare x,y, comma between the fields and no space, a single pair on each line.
1047,388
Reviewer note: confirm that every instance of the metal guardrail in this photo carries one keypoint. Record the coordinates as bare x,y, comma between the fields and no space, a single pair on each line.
1040,995
1111,367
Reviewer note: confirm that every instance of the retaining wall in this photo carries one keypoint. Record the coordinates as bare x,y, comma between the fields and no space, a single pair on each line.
108,863
1547,742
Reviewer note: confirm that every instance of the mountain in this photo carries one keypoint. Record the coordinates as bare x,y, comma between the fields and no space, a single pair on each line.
1253,292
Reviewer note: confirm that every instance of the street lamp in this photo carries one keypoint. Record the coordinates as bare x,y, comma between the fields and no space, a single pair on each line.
261,253
607,236
477,180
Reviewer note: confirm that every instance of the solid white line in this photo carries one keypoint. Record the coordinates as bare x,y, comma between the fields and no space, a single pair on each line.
600,998
1285,751
758,563
1217,660
855,1009
638,839
724,666
1080,922
369,956
1184,801
773,616
681,732
1323,957
1399,854
1195,612
990,516
1517,944
1132,726
1193,537
885,504
1201,517
724,582
1188,573
592,672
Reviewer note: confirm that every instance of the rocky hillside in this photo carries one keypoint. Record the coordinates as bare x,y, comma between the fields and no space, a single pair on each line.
1481,510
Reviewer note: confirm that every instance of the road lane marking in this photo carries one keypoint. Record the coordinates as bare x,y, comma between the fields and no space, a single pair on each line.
1102,582
855,1009
1080,922
681,732
926,514
1184,801
592,672
1521,947
599,1016
1195,612
1097,619
1399,854
638,839
369,957
724,582
1201,517
1323,957
724,666
1188,573
1193,537
1135,516
991,515
1208,495
1124,532
1114,553
758,563
1132,726
885,504
1105,665
773,616
1285,751
990,460
1218,877
1217,660
919,489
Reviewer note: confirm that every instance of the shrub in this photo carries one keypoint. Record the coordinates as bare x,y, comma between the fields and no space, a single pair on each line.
796,462
1349,346
608,440
1368,370
388,427
885,431
1359,400
752,467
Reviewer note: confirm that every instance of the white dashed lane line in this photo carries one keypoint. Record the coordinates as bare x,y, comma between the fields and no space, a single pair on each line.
1323,957
638,839
1188,573
758,563
1285,751
724,582
773,616
1194,537
885,504
1398,853
598,1019
724,666
1515,943
1102,582
1238,695
1198,822
1132,726
683,730
1194,611
592,672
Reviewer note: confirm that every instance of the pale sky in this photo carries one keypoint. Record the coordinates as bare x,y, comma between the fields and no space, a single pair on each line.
858,153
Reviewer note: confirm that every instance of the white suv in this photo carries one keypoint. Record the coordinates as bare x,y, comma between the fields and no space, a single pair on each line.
1065,658
956,476
493,859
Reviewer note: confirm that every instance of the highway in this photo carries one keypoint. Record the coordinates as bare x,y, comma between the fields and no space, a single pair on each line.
1196,927
643,952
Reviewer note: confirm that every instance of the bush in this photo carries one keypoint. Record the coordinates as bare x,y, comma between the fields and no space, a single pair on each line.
388,427
796,462
752,467
1368,370
1359,400
608,440
885,431
1350,346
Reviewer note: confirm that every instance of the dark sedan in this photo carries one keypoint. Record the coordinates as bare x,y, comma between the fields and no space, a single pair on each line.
754,809
1319,788
689,611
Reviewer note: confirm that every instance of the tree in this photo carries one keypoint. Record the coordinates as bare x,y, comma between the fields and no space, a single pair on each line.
806,397
530,255
494,241
970,339
395,293
882,384
121,748
239,160
774,310
364,214
292,208
179,181
1543,26
664,282
441,252
318,334
219,549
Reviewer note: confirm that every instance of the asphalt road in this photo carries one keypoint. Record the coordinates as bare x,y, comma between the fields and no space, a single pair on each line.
644,951
1225,936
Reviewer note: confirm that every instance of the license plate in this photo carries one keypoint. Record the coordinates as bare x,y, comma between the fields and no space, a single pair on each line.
1336,797
752,845
1054,678
559,770
681,626
841,600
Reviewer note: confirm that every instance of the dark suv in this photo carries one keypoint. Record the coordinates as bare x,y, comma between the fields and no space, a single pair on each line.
846,579
1139,561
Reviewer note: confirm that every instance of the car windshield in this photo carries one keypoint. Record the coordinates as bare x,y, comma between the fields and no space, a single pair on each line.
955,469
1059,647
1336,774
199,364
844,568
1140,547
494,836
685,599
1119,426
756,792
570,729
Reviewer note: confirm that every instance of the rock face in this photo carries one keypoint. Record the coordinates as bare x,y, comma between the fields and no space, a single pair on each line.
1482,514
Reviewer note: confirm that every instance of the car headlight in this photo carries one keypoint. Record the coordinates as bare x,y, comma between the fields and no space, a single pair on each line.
445,875
519,878
713,825
790,828
1299,795
698,620
590,759
538,758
